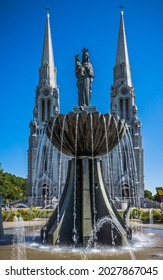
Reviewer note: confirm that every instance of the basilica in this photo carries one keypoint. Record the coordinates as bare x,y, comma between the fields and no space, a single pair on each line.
47,167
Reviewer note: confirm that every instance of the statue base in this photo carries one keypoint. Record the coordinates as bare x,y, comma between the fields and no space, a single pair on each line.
89,109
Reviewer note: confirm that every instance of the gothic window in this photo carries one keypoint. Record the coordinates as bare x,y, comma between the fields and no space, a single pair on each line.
45,159
43,110
125,191
121,108
127,108
48,110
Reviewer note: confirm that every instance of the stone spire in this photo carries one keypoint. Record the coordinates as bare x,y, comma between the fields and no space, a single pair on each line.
123,104
47,69
122,71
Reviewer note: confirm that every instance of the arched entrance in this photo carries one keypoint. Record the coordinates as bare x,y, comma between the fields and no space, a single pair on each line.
45,190
125,191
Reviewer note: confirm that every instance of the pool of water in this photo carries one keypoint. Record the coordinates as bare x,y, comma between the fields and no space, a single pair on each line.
145,244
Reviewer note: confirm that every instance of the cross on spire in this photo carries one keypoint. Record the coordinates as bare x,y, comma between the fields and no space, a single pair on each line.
47,11
121,7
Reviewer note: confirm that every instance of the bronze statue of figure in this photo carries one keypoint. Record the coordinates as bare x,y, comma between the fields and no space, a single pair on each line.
84,74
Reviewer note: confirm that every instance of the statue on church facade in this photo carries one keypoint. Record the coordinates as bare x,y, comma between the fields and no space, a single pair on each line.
84,74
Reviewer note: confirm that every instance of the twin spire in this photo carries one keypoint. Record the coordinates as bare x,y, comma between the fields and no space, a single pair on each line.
122,70
47,69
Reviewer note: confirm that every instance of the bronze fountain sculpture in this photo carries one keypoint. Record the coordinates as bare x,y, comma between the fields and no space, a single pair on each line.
85,213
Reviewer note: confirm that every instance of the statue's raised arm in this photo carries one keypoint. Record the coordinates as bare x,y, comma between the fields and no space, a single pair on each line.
84,74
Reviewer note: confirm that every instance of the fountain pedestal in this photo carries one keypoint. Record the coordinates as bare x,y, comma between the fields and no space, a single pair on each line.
85,212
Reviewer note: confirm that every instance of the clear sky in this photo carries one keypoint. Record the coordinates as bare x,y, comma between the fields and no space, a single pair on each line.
76,24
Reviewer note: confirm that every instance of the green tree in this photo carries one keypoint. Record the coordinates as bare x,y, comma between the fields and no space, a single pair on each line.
156,198
12,187
148,194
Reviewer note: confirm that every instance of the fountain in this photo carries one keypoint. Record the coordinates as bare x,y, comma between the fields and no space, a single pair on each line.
85,213
4,239
85,217
151,216
18,247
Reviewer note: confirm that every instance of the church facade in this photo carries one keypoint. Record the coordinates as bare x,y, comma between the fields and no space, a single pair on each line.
44,168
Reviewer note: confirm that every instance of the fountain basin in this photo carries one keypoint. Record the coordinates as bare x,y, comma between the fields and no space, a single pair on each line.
85,214
104,131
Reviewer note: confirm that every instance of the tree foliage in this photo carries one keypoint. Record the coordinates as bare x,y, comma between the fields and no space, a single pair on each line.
148,194
12,188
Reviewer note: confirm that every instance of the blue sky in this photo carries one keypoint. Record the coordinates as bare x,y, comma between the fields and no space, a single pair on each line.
76,24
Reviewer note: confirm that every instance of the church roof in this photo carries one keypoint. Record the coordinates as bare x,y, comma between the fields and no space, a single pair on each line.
47,69
47,54
122,51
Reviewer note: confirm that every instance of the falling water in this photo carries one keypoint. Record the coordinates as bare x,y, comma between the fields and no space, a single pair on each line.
130,169
38,164
93,179
111,189
41,157
60,173
151,215
135,176
126,165
119,158
18,247
50,166
127,169
114,223
74,213
111,174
